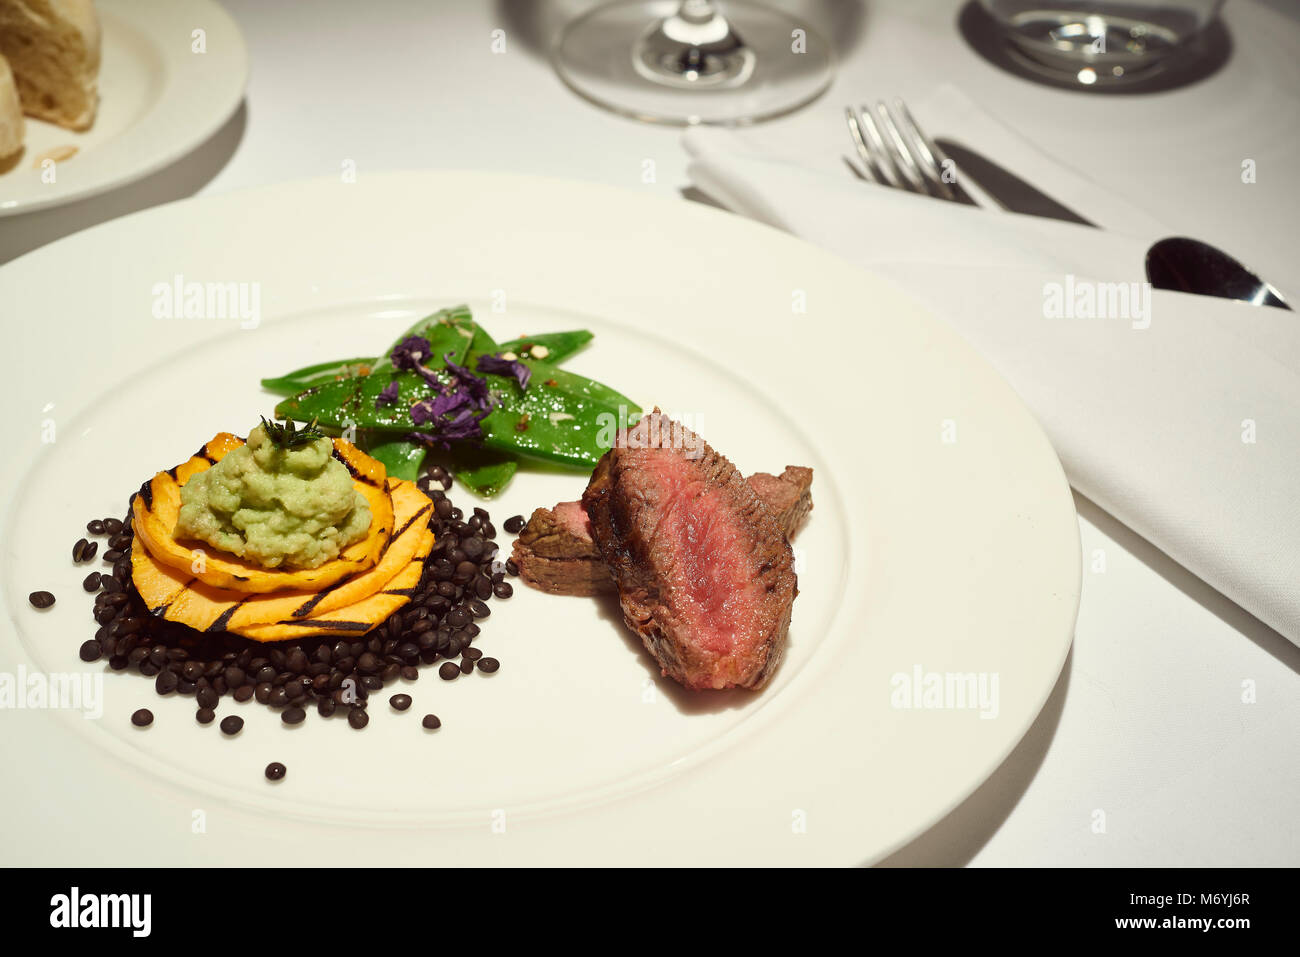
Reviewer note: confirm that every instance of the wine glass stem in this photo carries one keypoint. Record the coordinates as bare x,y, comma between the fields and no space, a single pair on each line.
697,11
701,26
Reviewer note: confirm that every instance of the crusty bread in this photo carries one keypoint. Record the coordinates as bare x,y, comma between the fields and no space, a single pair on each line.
53,48
11,115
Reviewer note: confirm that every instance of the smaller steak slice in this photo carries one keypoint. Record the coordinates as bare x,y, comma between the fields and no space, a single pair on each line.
704,573
555,552
788,496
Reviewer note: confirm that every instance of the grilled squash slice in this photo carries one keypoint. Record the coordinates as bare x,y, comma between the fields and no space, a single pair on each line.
349,607
349,621
158,504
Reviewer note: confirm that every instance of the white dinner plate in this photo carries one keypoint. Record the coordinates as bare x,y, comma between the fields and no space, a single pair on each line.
943,539
171,72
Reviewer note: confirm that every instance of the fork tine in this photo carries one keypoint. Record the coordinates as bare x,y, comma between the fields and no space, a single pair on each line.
899,152
864,154
903,157
931,159
882,162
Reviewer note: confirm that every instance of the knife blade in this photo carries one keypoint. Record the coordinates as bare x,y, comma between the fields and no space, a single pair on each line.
1004,186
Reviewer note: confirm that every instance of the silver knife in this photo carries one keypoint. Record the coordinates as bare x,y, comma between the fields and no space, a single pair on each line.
1005,187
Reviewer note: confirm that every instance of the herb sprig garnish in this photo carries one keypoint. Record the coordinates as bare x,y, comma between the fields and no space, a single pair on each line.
288,436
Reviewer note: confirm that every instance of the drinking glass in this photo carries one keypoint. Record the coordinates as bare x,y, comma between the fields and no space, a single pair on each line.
1100,42
683,62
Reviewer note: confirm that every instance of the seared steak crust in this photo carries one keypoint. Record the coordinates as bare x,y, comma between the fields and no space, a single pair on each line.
704,572
558,556
555,553
788,496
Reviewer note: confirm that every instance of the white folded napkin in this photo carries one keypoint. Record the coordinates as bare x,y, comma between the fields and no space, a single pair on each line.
1184,423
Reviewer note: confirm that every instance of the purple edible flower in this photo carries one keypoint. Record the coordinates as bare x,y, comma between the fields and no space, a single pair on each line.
388,396
476,388
409,353
455,408
495,365
464,426
433,409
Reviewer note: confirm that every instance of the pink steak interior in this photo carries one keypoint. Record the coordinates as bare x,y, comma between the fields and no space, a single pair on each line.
572,517
712,584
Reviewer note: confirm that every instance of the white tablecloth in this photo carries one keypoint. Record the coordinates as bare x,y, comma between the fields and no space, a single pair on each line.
1177,714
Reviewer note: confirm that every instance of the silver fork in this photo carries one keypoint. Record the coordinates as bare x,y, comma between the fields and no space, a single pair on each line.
893,151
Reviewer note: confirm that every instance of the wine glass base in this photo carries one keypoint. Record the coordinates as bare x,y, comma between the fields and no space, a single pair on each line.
608,57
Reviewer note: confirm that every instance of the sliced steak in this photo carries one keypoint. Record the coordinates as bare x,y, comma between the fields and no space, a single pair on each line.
555,552
788,496
704,573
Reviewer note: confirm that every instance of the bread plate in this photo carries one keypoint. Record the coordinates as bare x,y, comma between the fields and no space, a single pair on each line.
943,539
171,72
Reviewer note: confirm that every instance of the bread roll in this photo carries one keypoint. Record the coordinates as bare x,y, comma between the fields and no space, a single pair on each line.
11,114
53,48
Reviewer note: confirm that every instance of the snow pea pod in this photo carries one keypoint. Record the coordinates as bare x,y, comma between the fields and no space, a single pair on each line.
403,459
343,402
479,469
557,346
291,383
481,344
448,330
483,472
561,417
